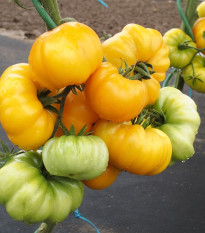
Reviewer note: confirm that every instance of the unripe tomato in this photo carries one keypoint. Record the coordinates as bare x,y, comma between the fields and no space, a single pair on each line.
181,121
194,74
179,55
23,117
77,157
67,55
33,197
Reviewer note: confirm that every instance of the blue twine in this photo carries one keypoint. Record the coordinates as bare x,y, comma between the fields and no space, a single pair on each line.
77,214
103,3
190,92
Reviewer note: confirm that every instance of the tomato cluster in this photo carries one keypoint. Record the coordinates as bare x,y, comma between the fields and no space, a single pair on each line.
186,53
136,126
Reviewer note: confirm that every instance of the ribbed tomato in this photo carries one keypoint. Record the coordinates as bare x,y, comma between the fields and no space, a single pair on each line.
31,195
116,98
135,149
76,157
136,43
23,117
67,55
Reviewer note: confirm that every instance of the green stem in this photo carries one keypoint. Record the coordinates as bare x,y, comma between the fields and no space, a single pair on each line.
49,22
191,16
168,78
65,93
179,82
46,228
51,7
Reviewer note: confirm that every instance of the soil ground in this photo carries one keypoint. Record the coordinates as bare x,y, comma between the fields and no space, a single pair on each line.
158,14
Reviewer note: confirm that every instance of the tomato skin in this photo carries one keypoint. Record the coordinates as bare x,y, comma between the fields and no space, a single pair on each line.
198,31
153,88
181,121
124,98
78,112
104,180
136,43
133,149
26,122
201,9
31,197
195,78
179,58
67,55
77,157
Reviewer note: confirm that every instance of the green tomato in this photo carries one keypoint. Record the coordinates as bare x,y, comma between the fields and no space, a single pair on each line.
179,55
194,75
181,121
77,157
32,197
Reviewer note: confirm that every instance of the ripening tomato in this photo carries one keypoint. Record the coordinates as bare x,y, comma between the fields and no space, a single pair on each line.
199,33
67,55
116,98
136,43
104,180
135,149
77,112
23,117
177,41
31,195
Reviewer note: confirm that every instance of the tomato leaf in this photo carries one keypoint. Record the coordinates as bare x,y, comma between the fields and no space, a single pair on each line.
82,131
72,130
4,147
20,4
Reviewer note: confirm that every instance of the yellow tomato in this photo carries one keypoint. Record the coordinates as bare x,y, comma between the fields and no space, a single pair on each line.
77,112
201,9
104,180
26,122
135,149
67,55
136,43
199,33
114,97
153,89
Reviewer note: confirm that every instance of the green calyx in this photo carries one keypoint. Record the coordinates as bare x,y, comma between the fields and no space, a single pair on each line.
72,130
6,153
47,101
149,117
185,45
194,79
138,71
